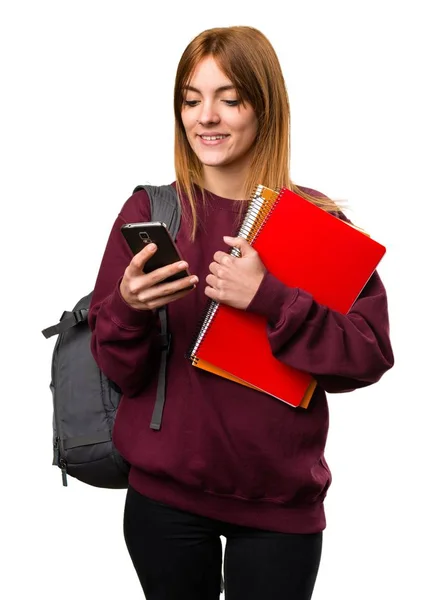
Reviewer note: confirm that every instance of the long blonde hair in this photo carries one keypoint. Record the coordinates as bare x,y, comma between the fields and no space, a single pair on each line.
248,59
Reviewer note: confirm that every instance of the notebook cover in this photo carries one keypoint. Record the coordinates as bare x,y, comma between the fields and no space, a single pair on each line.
306,247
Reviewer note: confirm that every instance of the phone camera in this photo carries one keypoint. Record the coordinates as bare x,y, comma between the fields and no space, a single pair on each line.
145,237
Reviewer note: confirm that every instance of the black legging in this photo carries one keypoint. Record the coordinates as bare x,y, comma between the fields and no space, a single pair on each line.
178,556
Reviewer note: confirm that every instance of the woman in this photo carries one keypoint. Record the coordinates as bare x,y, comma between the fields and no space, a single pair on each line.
228,460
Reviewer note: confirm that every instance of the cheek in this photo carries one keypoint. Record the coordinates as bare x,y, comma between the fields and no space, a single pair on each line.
187,122
247,127
249,132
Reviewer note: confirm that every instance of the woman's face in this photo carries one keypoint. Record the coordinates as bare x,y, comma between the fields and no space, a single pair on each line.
220,130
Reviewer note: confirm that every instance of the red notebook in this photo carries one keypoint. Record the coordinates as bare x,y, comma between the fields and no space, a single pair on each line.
303,246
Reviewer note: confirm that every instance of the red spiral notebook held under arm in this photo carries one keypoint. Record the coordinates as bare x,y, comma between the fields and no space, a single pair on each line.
303,246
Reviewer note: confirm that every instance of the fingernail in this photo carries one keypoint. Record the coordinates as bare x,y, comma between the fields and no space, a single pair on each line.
194,280
182,265
152,247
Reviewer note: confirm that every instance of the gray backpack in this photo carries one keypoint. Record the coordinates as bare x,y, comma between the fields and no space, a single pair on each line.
85,402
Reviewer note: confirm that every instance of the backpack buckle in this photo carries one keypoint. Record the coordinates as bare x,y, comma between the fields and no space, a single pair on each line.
80,315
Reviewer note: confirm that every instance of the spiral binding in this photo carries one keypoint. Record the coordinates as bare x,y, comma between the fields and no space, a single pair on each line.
262,202
202,329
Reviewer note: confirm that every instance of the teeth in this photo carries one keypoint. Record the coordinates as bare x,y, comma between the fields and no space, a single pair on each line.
212,138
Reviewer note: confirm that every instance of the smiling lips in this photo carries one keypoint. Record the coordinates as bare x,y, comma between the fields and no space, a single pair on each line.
213,140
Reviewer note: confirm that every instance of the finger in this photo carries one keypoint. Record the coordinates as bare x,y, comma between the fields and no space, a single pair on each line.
158,302
139,261
159,275
163,290
223,259
240,243
210,292
142,257
212,281
214,268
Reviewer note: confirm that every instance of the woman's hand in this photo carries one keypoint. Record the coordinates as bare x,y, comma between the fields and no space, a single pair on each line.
147,291
234,281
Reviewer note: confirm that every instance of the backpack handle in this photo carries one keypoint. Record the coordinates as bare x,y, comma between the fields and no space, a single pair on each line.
67,320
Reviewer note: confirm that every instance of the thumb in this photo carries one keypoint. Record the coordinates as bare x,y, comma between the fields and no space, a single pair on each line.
143,256
240,243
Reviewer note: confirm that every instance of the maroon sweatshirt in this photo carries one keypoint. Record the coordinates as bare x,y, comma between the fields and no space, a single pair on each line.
226,451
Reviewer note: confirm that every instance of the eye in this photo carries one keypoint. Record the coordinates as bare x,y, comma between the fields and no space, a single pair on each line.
231,102
191,102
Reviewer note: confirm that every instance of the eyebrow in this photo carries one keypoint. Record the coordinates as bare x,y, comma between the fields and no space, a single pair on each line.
222,88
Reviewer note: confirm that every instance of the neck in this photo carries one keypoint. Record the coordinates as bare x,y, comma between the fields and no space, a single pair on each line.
226,181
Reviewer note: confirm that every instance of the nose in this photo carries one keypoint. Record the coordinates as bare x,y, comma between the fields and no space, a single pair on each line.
208,114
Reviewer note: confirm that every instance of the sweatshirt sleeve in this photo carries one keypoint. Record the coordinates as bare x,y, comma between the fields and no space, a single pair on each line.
125,342
342,351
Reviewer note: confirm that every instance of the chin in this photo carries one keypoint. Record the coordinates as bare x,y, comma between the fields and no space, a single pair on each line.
213,161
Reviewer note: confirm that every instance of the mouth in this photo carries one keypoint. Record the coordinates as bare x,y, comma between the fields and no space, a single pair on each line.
213,140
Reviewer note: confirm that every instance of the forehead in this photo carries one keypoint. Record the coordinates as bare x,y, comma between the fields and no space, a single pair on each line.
207,75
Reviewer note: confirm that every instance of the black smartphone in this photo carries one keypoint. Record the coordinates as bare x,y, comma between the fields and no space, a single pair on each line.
139,235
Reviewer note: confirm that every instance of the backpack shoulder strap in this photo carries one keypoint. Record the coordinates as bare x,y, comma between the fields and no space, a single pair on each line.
165,207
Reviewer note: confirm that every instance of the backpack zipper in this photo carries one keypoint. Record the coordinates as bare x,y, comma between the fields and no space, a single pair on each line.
63,466
60,462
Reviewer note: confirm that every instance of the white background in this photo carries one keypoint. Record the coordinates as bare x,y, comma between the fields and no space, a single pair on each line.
86,114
